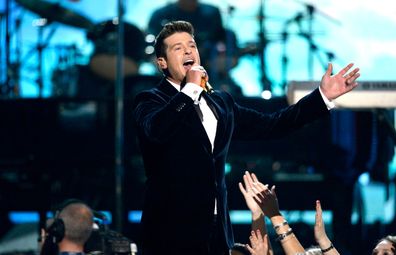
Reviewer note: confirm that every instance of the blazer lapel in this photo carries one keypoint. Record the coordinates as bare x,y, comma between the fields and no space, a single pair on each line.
193,121
220,116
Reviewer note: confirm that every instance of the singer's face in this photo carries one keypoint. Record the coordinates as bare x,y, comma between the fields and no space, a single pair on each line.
181,54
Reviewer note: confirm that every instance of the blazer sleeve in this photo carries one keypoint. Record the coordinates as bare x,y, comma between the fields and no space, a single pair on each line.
157,117
251,124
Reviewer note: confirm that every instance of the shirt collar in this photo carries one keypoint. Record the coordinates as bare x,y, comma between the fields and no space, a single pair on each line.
177,86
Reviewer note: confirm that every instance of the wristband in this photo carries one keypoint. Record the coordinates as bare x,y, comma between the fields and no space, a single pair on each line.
327,249
276,227
284,235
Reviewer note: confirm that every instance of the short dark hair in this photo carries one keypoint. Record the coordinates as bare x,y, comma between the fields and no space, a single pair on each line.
168,30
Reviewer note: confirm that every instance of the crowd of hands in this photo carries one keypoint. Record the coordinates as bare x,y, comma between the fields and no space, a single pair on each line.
263,202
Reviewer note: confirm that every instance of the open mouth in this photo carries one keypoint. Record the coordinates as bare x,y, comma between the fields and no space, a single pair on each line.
188,64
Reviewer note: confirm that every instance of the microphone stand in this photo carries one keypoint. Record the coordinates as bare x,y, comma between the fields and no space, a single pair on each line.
7,48
119,122
41,45
285,36
265,82
284,58
12,69
312,46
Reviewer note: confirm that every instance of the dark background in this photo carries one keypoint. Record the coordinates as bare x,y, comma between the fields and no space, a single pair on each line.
55,149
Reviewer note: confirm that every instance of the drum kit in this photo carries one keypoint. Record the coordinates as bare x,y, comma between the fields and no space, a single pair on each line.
65,76
64,79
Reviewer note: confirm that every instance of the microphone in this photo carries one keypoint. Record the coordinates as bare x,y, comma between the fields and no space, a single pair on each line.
206,86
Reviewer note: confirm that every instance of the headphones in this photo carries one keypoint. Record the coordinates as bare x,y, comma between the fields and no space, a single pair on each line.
56,231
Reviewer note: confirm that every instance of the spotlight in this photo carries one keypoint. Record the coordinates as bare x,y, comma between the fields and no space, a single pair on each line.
266,94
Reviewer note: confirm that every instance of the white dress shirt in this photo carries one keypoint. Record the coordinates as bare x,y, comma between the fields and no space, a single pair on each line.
209,121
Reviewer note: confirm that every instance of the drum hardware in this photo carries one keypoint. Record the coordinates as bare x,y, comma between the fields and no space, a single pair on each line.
307,34
55,12
10,80
265,82
49,13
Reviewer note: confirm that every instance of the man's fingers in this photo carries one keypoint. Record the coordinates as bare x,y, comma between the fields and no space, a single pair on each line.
345,69
329,69
353,76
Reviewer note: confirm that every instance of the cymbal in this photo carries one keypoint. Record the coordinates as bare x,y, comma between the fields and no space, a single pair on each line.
55,12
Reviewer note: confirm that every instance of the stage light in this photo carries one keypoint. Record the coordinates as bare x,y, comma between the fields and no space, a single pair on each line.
266,94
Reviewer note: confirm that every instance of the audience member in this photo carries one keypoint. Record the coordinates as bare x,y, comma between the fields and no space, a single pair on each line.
321,237
385,246
258,217
268,202
69,230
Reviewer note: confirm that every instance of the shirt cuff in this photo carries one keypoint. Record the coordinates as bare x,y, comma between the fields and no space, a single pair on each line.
330,105
192,90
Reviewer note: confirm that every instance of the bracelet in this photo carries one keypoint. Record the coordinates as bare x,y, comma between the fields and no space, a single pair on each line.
284,235
276,227
327,249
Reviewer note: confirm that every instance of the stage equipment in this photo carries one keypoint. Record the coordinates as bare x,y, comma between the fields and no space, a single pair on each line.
369,94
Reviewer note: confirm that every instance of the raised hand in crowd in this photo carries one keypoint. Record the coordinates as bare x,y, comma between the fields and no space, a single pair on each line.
321,237
258,221
268,202
262,195
249,192
259,245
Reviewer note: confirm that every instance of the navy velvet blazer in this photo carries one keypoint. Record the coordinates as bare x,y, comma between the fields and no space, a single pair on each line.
184,176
